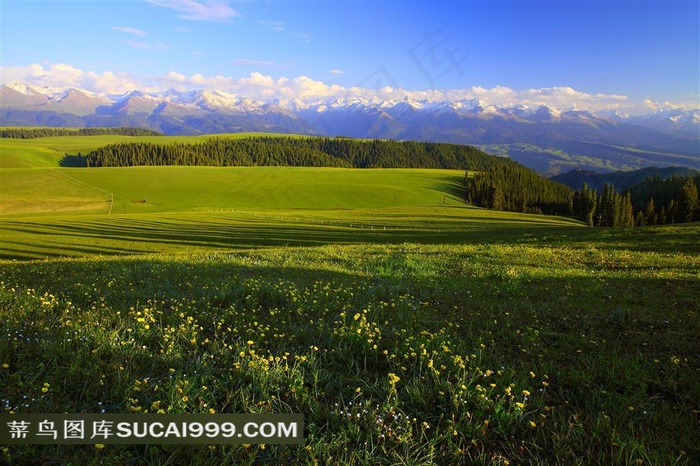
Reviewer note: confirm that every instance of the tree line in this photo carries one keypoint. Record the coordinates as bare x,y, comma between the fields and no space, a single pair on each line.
33,133
655,201
513,187
287,151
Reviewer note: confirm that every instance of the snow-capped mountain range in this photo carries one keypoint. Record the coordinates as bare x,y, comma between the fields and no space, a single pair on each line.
673,132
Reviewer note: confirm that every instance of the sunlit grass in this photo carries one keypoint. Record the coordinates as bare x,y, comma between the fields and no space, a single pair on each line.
406,327
486,353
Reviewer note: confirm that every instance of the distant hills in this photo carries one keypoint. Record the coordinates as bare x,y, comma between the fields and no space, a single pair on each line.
544,138
622,181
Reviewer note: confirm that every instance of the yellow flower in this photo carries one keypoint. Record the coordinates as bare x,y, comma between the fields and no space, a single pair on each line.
532,424
99,446
6,366
526,393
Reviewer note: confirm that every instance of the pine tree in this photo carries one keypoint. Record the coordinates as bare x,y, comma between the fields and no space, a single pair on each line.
650,217
688,201
671,212
627,210
587,204
661,220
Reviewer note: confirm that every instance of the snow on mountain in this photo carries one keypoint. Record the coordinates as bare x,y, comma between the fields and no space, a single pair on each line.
20,95
76,102
611,138
22,88
360,113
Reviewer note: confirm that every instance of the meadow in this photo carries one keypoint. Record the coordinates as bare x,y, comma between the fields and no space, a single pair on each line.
407,327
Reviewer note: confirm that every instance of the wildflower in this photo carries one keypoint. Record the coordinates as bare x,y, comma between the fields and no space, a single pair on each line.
99,446
526,393
533,424
6,366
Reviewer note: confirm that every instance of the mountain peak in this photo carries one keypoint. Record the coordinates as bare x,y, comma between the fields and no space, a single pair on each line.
21,87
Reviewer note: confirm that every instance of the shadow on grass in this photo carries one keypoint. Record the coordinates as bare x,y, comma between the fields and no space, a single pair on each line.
455,188
116,236
25,240
72,161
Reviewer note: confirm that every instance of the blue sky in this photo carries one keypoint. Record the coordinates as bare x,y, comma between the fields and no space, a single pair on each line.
596,54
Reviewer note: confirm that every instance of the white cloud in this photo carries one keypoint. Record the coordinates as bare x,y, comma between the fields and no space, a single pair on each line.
57,76
206,10
256,85
137,44
278,26
133,31
648,105
303,36
336,71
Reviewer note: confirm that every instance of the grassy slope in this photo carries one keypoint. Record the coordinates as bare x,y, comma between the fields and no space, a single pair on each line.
180,209
176,189
516,338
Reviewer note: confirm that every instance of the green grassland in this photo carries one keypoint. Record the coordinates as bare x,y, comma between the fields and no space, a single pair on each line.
47,152
181,189
407,327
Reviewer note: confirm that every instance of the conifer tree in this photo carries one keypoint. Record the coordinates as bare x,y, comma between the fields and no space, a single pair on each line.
688,201
627,210
650,217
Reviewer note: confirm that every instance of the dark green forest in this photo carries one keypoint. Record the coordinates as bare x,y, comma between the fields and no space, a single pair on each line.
655,201
516,188
297,152
33,133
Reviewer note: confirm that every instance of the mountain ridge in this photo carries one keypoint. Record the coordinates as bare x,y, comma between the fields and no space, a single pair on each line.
669,137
